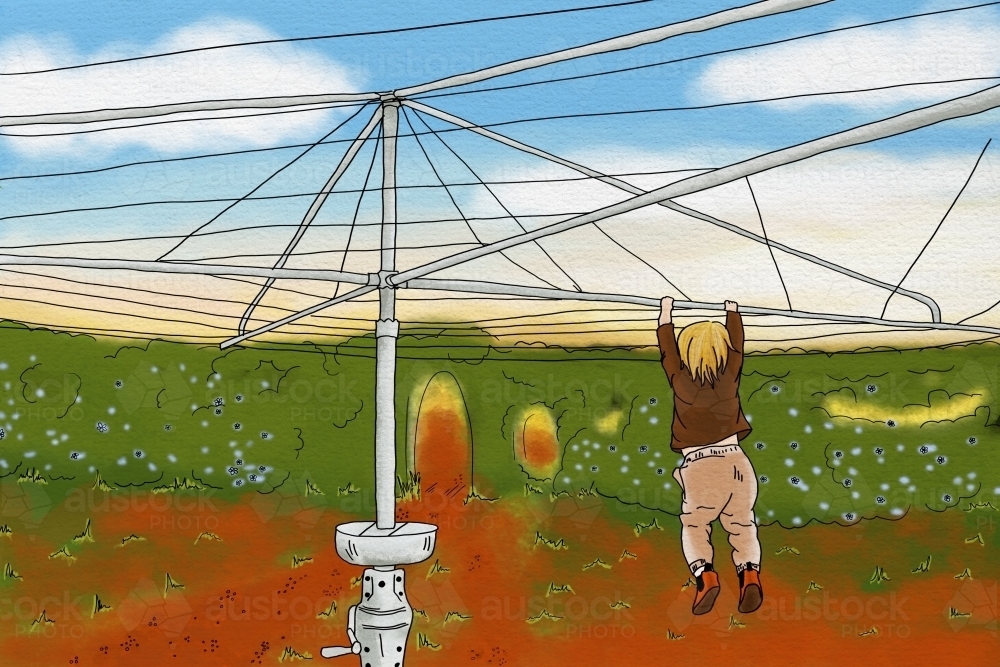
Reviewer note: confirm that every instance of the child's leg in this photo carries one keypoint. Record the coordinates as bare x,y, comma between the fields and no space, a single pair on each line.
703,499
737,517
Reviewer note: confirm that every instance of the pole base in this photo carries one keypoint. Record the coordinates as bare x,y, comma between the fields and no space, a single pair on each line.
379,625
364,543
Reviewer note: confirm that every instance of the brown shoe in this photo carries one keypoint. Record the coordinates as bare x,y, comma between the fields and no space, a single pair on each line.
708,590
751,593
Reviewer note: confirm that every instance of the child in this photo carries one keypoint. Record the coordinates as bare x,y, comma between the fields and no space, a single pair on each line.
716,478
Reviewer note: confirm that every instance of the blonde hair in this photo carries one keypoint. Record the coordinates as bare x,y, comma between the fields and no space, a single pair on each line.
704,348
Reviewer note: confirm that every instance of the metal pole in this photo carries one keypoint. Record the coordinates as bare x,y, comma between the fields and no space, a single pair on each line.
726,17
482,287
378,626
386,332
129,113
192,268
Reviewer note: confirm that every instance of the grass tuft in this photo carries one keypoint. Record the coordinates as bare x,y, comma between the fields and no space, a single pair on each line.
132,538
475,495
41,622
553,589
424,642
32,475
878,576
291,654
207,536
437,568
299,562
169,584
178,484
63,553
923,566
597,562
531,620
640,527
348,490
455,616
99,606
101,485
86,535
980,506
409,488
555,545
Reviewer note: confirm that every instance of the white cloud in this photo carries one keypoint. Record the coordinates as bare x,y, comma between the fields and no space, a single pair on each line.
930,49
275,69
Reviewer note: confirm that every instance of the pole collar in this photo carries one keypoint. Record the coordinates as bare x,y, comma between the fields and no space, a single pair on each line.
384,279
388,328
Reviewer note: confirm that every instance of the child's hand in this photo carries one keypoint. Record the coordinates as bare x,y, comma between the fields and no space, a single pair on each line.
731,306
666,306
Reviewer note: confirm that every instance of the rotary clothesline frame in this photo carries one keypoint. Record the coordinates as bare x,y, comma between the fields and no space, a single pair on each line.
391,538
984,100
413,278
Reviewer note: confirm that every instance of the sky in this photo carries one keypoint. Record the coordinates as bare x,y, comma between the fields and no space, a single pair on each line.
870,208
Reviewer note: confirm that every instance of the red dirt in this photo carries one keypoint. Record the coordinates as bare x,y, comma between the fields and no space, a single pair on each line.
242,601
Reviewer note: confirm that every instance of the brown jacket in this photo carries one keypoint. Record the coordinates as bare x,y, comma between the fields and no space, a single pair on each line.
705,413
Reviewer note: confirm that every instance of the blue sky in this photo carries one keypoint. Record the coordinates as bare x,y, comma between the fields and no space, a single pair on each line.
60,33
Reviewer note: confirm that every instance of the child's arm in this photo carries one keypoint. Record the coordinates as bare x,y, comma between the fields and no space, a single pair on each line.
669,355
734,325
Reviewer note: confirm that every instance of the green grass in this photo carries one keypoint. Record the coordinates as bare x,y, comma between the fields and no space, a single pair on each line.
78,410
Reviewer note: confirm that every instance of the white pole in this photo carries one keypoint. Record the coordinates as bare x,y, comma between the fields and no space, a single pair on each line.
968,105
482,287
386,332
192,268
690,212
752,11
101,115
